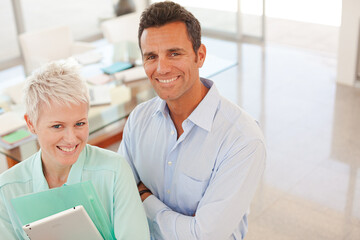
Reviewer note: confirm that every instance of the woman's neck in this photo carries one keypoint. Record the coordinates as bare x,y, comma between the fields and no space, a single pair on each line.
55,176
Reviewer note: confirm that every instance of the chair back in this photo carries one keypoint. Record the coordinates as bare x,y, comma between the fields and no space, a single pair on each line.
46,45
122,28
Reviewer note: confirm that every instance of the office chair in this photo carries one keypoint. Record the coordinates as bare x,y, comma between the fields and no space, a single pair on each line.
122,28
39,47
122,32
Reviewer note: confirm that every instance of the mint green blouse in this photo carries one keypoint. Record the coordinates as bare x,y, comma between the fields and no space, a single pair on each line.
108,171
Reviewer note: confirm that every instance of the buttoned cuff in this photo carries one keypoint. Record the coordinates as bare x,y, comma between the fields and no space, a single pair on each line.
153,206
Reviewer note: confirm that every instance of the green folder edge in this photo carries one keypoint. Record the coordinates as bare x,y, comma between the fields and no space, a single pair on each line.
35,206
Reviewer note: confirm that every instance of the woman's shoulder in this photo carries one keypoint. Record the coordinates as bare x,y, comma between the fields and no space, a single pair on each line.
97,157
20,173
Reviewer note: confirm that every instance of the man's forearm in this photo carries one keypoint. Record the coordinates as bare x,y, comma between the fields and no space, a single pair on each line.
143,191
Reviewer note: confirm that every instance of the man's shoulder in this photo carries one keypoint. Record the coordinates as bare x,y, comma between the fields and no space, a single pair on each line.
150,105
238,120
145,110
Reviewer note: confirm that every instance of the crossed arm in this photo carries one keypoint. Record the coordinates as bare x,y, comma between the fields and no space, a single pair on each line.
223,206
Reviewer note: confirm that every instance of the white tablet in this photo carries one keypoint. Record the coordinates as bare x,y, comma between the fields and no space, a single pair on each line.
71,224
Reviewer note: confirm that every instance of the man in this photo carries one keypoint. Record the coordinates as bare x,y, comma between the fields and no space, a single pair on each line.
197,158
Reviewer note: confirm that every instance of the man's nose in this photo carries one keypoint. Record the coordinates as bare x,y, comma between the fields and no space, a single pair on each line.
163,66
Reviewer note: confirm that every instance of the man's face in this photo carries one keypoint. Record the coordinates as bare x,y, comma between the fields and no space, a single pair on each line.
170,62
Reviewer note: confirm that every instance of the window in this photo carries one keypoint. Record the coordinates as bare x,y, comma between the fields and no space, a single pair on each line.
9,48
84,16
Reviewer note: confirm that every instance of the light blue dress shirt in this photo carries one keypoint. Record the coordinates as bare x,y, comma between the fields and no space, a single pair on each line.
203,182
112,179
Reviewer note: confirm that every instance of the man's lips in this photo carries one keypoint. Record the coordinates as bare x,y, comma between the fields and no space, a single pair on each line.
168,80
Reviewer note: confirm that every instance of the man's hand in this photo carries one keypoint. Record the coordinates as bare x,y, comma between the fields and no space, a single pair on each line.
142,187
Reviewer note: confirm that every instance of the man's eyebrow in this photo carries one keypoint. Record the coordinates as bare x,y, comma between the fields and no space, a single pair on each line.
176,50
148,54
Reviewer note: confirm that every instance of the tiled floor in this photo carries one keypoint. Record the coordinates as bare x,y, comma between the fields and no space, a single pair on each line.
311,186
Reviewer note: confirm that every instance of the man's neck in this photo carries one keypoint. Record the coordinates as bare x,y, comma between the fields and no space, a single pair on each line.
182,108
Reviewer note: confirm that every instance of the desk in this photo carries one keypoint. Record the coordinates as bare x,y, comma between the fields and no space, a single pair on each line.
100,117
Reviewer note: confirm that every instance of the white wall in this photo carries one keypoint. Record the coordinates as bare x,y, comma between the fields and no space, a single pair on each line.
348,42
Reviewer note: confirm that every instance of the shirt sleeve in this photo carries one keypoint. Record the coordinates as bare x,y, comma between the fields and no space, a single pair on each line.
129,216
124,148
224,204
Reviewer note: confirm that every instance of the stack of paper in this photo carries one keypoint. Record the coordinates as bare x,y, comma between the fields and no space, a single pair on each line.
99,95
132,74
9,122
89,57
99,79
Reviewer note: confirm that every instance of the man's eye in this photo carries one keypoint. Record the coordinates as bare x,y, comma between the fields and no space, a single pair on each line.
150,57
175,54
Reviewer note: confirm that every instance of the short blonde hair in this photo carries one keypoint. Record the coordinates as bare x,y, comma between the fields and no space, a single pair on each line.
59,82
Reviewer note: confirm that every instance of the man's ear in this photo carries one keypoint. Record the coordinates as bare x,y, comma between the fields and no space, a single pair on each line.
201,55
29,124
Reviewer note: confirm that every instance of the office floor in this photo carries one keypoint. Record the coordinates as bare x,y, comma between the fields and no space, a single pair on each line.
311,186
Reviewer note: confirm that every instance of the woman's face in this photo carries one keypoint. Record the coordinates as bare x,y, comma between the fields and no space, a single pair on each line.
62,133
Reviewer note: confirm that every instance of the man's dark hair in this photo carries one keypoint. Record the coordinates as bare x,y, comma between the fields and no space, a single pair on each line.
161,13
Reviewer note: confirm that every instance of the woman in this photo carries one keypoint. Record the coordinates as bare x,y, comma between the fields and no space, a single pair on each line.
57,104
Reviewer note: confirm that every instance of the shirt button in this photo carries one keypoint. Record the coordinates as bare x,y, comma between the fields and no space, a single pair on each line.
172,132
169,163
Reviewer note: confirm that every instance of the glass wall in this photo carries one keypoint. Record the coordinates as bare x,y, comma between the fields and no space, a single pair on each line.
312,11
222,18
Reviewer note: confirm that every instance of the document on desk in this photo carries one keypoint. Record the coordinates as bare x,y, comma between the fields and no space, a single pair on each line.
132,74
99,79
89,57
9,122
35,206
99,95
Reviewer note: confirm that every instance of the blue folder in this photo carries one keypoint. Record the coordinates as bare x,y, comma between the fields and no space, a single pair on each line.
117,67
35,206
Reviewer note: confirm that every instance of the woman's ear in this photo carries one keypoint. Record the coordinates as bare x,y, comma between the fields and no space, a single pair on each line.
29,124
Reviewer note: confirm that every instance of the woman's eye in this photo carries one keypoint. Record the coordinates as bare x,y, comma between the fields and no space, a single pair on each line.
80,124
57,126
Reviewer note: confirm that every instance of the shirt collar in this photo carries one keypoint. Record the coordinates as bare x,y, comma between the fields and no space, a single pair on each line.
204,113
39,181
75,174
161,108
